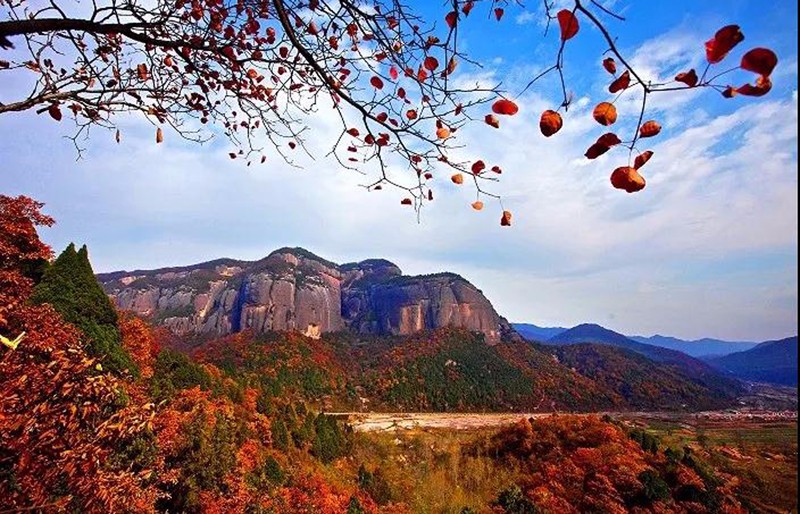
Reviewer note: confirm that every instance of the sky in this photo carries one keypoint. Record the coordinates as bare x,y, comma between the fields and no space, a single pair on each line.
707,249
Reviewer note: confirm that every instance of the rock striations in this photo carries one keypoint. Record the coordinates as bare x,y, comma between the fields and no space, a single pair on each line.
293,289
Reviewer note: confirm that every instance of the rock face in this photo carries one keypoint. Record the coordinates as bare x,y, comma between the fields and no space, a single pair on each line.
293,289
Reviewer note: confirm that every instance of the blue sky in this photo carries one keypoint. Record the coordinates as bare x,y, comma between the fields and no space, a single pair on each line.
709,248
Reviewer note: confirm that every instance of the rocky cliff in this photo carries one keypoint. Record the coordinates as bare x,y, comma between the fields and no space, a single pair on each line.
293,289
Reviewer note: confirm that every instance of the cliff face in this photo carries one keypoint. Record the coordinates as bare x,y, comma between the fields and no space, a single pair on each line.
292,289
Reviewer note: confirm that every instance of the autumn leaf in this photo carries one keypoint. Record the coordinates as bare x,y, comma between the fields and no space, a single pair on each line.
451,18
621,82
760,60
723,42
443,132
457,178
477,205
498,13
404,201
505,107
550,123
649,129
467,7
141,71
159,135
496,169
610,65
118,136
376,82
627,179
568,24
596,150
411,114
689,78
393,73
430,63
492,120
761,88
478,167
505,219
353,132
54,111
605,113
642,159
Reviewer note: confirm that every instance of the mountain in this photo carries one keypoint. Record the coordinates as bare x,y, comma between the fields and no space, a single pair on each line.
452,369
772,361
698,370
697,347
533,332
293,289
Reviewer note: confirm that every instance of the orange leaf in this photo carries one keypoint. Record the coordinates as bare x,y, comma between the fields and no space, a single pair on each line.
411,114
609,139
168,61
550,123
610,65
689,78
568,24
431,63
141,70
457,178
596,150
642,159
477,205
762,87
760,60
492,120
605,113
505,219
505,107
443,133
628,179
723,42
159,135
622,82
451,66
650,129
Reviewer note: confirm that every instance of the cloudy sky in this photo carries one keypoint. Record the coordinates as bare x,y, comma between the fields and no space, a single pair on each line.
709,248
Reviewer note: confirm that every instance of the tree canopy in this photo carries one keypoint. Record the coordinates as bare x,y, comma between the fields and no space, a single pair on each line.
257,70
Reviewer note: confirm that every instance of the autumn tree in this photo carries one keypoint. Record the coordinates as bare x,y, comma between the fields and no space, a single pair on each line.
259,69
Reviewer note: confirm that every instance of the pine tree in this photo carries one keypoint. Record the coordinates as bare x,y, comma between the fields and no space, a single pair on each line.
69,285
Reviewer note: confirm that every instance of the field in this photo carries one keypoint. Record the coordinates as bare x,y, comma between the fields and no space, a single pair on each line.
422,454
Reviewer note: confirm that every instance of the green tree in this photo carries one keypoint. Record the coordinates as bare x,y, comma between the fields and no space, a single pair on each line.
69,285
513,501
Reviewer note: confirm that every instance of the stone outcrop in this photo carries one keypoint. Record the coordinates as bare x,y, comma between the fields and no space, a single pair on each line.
293,289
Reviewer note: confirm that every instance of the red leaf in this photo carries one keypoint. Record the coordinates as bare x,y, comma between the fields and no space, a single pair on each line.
642,158
496,169
761,88
505,219
568,24
505,107
353,132
550,123
723,42
451,19
596,150
376,82
498,13
760,60
622,82
650,129
54,112
467,7
689,78
628,179
492,120
478,167
610,65
393,73
609,139
404,201
430,63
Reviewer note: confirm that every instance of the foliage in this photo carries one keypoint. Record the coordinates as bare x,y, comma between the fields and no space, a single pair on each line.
259,70
513,501
174,371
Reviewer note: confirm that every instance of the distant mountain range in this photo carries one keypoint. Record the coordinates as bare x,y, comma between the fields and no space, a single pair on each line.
772,361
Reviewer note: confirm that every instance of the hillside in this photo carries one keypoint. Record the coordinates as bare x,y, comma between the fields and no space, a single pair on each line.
706,346
772,361
452,370
533,332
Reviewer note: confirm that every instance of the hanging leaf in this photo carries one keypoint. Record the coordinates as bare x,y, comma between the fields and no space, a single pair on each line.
505,107
622,82
443,132
498,13
505,219
723,42
689,78
54,111
457,178
642,159
118,136
605,113
492,120
376,82
550,123
627,179
761,88
610,65
141,71
478,167
451,18
650,129
393,73
568,24
760,60
159,135
430,63
477,205
404,201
